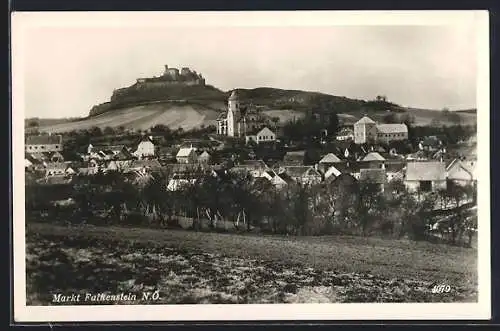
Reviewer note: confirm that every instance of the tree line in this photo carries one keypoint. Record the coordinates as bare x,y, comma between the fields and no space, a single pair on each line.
237,202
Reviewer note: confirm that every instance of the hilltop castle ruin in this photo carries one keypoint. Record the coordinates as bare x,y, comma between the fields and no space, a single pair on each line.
172,76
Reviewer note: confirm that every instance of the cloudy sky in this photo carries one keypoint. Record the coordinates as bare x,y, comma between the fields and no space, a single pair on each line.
68,69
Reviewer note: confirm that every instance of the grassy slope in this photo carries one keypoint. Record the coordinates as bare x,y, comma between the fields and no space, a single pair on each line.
390,260
143,117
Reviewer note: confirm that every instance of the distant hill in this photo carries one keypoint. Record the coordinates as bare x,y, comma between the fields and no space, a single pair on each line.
177,104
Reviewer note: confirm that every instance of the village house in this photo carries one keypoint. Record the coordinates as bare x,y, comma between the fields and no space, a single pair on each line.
144,166
43,143
462,172
345,134
145,148
204,157
255,168
331,173
425,176
58,169
373,160
327,161
306,175
262,136
368,131
395,170
430,143
186,155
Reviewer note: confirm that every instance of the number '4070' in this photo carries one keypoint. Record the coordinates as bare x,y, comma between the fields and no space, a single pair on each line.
442,288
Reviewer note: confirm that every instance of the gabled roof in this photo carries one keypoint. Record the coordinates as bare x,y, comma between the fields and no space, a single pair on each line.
375,176
330,158
373,156
265,130
205,154
392,128
468,166
421,171
56,165
44,140
184,152
332,171
365,120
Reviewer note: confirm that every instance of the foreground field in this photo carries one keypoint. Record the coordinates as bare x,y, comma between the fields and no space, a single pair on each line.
142,117
196,267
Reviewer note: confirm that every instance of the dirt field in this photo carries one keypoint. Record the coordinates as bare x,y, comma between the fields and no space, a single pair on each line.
198,267
143,117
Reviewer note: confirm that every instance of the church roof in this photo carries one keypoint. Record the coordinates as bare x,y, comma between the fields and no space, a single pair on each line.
365,120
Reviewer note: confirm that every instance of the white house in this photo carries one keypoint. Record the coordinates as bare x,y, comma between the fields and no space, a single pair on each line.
187,155
462,172
368,131
425,176
145,148
264,135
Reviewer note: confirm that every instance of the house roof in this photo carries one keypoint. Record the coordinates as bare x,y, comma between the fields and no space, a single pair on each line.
365,120
56,165
205,154
265,130
184,152
332,171
330,158
392,128
425,171
376,176
298,171
286,178
145,163
44,140
373,156
468,165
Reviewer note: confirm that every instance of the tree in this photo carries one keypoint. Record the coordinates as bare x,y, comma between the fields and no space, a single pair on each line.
390,118
109,131
95,132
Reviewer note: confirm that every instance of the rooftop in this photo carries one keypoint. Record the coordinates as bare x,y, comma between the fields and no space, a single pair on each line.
365,120
421,171
44,140
330,158
392,128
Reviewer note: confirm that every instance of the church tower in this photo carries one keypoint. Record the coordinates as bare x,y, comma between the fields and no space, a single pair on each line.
233,115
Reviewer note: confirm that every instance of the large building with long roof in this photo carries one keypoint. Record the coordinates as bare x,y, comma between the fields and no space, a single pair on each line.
368,131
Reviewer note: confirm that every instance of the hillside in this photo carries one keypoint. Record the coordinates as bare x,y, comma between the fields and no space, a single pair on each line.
143,117
179,104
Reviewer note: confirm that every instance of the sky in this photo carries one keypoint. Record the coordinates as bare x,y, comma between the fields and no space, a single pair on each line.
69,69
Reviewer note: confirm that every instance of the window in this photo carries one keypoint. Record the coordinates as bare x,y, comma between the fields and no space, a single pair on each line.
42,147
57,146
425,185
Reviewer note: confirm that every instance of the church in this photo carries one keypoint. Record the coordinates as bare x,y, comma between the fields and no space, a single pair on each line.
232,123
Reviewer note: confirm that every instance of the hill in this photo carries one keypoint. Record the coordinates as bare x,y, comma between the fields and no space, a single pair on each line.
152,101
143,117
